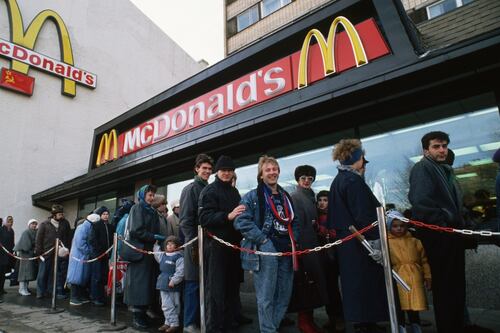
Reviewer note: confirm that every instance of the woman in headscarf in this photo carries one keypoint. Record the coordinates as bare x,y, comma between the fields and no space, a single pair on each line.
143,229
25,248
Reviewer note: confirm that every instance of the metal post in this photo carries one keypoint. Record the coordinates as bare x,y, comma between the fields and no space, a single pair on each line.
203,327
54,283
113,284
387,269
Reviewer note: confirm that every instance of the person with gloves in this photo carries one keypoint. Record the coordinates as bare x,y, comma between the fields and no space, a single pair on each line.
351,202
143,227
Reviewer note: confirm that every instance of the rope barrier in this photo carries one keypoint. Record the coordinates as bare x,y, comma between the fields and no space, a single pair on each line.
85,261
135,248
28,258
298,253
434,227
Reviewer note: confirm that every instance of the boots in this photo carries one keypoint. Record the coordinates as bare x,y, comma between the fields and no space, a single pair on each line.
415,328
139,321
23,288
306,324
402,329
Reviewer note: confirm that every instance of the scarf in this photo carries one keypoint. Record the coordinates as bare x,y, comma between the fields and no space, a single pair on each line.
350,169
55,223
200,180
141,195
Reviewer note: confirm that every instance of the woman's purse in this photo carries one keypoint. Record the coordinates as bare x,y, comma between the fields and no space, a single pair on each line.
126,252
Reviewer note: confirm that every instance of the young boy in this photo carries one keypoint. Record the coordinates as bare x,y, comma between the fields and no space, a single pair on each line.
169,282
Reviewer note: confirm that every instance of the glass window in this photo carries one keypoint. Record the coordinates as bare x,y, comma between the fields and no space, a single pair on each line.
247,18
270,6
444,6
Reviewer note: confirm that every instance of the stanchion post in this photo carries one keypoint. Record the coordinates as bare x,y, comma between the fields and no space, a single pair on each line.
54,274
113,284
203,327
387,269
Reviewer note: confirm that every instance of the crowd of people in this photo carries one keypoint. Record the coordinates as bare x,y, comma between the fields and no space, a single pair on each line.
347,280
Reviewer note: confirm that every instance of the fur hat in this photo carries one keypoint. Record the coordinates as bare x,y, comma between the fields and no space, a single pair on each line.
305,170
173,239
99,211
224,163
56,209
32,221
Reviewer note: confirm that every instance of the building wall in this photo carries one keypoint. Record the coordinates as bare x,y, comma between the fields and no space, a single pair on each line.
269,23
46,138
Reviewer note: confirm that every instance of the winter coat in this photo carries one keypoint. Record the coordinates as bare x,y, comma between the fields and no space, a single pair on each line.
313,263
47,234
254,224
165,228
78,271
101,237
216,201
4,257
173,222
25,248
410,262
189,225
351,202
140,282
435,195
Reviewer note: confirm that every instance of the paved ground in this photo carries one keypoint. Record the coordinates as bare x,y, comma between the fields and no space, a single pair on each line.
29,315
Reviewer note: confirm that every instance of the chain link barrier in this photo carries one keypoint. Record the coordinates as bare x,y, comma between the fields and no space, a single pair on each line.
135,248
28,258
485,233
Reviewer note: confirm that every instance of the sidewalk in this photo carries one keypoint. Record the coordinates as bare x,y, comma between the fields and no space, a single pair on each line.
28,314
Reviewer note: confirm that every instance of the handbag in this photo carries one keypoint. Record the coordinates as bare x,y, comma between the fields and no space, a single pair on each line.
126,252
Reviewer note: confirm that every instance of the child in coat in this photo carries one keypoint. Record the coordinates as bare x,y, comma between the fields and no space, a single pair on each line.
169,282
410,262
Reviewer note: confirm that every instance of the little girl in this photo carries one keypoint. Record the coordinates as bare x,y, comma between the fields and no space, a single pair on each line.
169,282
410,262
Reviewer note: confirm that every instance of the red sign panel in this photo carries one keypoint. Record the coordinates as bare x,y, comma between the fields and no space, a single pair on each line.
16,81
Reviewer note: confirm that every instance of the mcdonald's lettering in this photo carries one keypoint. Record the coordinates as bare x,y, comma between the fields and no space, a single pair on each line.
356,46
107,146
20,50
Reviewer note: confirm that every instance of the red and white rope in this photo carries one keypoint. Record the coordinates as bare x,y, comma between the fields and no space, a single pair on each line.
85,261
29,258
135,248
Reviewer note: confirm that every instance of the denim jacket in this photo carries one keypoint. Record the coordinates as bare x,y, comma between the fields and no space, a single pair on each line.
254,230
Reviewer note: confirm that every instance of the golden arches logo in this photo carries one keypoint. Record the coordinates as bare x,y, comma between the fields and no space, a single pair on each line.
108,141
28,37
327,48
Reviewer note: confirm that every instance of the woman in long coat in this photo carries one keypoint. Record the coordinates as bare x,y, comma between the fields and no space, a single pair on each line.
25,248
351,202
143,227
79,271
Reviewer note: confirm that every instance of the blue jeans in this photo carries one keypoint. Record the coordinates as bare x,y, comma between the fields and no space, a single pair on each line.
44,281
273,288
191,302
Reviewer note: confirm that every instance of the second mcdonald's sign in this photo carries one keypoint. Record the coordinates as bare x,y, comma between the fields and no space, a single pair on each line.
355,46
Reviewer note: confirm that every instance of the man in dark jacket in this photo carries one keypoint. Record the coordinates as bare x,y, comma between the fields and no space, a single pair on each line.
304,202
436,199
189,225
56,226
218,207
4,260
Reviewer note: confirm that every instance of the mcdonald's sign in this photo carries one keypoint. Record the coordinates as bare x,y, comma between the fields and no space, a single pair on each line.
356,46
108,148
20,50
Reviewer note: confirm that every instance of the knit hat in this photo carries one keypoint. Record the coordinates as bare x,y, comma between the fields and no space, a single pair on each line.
99,211
175,204
93,218
224,163
304,170
32,221
393,215
56,209
173,239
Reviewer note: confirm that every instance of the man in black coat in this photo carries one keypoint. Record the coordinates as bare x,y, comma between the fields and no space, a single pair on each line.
436,199
4,260
189,225
218,207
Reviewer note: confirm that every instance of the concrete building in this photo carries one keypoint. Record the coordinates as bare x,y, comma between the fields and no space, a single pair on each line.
46,138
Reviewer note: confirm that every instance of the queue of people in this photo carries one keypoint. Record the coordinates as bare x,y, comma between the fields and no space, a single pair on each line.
347,280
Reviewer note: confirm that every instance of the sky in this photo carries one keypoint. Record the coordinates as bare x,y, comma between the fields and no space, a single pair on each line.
196,25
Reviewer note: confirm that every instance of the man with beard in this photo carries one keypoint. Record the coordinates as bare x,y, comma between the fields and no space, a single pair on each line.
189,226
218,207
56,226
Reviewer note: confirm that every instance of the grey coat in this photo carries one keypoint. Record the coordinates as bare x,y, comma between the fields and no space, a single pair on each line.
189,226
305,209
25,248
